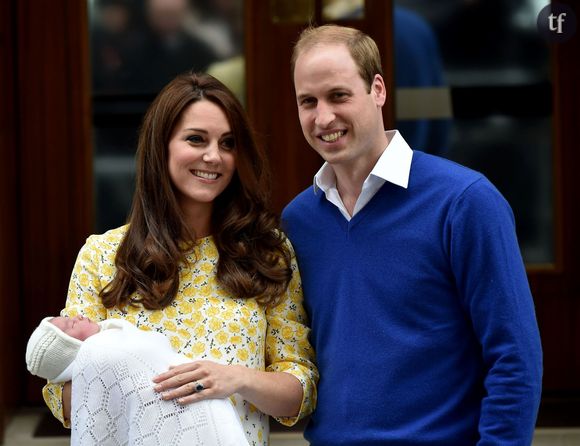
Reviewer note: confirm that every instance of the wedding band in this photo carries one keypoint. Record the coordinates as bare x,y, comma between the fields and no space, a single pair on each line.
198,387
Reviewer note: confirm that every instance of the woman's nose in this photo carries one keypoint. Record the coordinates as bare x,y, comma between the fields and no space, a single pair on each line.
211,154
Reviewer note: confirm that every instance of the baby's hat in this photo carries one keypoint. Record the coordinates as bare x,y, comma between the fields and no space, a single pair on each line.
50,350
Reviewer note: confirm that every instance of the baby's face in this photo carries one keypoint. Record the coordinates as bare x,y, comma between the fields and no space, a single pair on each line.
78,327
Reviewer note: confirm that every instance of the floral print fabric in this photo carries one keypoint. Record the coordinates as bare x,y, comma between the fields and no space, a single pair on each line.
204,322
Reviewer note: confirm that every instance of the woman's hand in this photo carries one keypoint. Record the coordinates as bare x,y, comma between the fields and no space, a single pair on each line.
200,380
278,394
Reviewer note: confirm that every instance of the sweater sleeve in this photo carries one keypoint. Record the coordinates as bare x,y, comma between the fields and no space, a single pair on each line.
494,291
287,346
82,298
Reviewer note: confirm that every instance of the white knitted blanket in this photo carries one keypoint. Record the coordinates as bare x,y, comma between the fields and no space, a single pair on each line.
113,401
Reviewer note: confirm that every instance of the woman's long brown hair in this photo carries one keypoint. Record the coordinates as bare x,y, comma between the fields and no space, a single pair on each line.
254,260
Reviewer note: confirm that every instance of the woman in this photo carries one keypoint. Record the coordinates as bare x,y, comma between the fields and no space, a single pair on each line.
202,260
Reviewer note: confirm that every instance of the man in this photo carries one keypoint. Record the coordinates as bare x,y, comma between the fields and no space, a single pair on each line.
421,313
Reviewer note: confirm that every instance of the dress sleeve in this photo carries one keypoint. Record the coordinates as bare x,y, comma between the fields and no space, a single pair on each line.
287,346
82,298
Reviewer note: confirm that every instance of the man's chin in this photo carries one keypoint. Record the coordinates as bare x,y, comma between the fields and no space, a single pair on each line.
330,151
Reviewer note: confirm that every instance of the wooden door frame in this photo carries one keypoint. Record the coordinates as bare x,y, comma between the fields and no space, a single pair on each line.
10,377
46,173
556,288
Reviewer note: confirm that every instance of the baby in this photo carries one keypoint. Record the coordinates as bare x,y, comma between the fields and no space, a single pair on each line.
111,365
54,344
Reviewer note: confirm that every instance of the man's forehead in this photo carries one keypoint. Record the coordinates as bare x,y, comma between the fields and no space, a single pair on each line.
327,81
320,66
324,51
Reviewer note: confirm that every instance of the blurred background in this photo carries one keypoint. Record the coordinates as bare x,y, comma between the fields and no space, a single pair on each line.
485,102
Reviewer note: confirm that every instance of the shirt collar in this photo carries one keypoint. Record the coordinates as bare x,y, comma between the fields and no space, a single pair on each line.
394,165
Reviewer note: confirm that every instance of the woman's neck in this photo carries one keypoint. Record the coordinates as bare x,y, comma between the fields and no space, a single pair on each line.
198,219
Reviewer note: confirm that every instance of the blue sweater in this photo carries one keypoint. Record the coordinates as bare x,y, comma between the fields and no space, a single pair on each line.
422,317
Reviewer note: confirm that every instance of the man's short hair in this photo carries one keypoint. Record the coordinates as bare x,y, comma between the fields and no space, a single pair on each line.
362,48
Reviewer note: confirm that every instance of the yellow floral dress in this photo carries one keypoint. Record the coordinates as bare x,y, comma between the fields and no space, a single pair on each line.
204,322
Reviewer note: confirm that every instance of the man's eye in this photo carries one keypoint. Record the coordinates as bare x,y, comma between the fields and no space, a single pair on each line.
307,102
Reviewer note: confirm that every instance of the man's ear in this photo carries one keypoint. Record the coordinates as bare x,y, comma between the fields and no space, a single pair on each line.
379,90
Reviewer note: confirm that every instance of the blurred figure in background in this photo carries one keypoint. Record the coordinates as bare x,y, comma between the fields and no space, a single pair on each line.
170,48
419,76
116,46
419,65
219,23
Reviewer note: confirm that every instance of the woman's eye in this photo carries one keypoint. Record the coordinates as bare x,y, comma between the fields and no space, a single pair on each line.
194,139
229,143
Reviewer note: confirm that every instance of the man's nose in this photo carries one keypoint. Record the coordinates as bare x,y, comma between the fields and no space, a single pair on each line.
324,115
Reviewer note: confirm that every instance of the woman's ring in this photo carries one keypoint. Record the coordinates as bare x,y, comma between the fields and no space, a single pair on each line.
198,387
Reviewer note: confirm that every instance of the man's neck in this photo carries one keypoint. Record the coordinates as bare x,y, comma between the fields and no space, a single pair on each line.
350,178
349,188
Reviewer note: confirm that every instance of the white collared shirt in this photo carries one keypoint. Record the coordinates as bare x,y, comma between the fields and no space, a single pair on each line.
394,166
